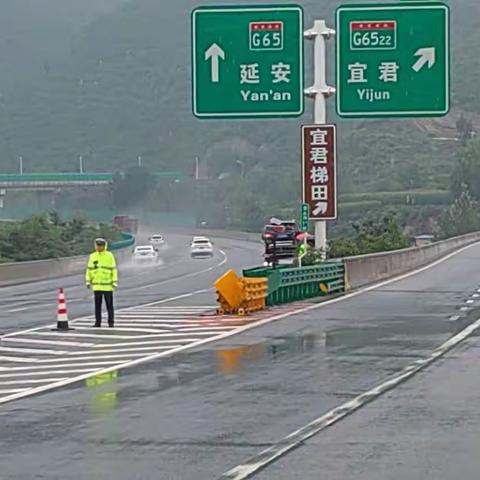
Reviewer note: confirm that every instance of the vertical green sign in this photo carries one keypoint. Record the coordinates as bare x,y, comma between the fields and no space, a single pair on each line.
393,60
305,215
247,61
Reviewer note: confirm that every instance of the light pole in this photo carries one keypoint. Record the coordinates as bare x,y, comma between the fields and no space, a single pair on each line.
139,158
196,169
242,165
20,165
320,91
80,161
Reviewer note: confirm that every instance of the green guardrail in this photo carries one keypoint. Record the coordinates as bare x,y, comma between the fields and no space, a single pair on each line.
128,240
56,177
288,284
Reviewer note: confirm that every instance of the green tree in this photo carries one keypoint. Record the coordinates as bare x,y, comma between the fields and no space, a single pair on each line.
379,235
48,236
465,129
342,247
461,217
467,170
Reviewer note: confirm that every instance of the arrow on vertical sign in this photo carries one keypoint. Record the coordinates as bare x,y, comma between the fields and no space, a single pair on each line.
320,208
427,56
214,53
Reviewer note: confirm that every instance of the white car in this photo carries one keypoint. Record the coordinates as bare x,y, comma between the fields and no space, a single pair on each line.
197,239
145,253
157,241
201,247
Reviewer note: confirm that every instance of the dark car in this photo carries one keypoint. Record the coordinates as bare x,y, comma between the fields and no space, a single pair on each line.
280,239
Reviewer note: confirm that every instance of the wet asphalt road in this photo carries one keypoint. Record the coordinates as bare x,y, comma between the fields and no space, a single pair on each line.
34,304
200,413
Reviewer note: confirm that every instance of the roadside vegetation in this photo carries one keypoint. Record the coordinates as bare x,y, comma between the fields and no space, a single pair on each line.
48,236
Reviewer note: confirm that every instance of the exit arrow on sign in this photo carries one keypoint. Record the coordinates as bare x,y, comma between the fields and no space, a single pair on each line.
427,57
213,53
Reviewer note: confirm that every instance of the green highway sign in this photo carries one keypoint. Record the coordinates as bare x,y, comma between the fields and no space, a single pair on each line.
393,60
305,216
247,61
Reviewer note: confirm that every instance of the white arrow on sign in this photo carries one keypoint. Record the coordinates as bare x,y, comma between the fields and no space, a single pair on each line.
213,53
427,56
320,208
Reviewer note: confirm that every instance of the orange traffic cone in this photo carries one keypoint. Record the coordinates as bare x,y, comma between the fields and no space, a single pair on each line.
62,314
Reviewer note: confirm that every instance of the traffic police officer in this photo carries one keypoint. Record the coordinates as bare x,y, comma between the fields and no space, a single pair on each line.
102,277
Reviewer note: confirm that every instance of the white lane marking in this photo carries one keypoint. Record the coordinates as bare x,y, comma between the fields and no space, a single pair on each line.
47,342
141,326
181,308
21,309
33,350
61,365
470,301
148,342
22,306
171,311
209,328
157,302
171,299
164,322
13,390
120,329
101,336
127,327
183,277
21,332
156,316
22,382
250,326
18,359
136,349
160,310
464,309
48,372
122,357
454,318
158,334
475,295
296,438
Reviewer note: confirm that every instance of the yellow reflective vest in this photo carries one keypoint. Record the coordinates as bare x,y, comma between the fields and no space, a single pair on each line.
101,271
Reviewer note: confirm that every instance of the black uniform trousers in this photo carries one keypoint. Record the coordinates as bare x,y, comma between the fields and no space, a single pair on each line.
108,296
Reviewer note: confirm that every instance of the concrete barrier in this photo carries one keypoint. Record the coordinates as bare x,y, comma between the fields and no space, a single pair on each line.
25,272
366,269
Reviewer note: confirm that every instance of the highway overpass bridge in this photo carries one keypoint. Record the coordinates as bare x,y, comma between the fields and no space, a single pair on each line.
40,181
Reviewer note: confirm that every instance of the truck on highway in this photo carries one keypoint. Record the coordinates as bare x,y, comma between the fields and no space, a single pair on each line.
126,223
281,239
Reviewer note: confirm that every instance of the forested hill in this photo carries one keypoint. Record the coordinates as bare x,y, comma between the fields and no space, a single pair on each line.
110,80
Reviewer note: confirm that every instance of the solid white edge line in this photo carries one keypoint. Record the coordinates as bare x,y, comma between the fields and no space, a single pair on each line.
242,329
49,342
47,372
46,366
296,438
13,390
22,382
6,358
122,357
